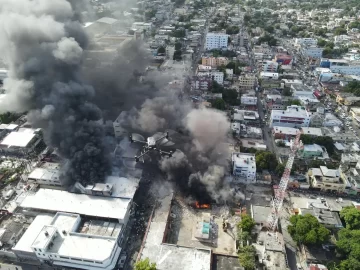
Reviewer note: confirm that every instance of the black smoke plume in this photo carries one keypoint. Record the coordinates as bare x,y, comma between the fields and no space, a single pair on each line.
43,46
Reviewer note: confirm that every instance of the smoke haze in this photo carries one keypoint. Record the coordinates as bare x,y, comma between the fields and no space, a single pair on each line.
43,47
45,44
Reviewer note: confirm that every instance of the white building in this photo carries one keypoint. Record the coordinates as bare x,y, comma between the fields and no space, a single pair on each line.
142,26
64,239
244,167
218,76
293,116
46,176
216,41
270,66
269,75
248,100
306,41
312,51
22,141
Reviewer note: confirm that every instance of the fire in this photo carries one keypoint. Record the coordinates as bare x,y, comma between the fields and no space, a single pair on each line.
202,206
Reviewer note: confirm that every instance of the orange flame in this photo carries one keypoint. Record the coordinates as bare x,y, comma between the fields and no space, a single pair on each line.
202,206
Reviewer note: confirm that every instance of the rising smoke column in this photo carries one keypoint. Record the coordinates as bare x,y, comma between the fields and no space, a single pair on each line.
43,47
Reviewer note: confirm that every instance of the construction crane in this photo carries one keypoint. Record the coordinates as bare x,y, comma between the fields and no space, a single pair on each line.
278,200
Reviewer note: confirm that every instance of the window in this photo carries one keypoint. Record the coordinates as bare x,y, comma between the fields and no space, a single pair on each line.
35,249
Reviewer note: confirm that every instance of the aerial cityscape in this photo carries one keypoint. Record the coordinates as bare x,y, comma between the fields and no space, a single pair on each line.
180,134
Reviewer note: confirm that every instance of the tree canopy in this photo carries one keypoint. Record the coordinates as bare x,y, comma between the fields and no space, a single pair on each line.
325,141
351,215
306,229
219,104
266,160
247,257
348,244
246,223
145,265
7,118
353,87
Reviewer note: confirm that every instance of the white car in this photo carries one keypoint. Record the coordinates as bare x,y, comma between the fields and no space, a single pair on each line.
351,128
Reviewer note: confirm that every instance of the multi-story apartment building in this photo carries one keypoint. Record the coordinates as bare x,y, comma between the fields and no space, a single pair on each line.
312,51
214,61
306,41
201,83
248,100
216,41
247,81
270,66
293,116
325,179
244,167
340,66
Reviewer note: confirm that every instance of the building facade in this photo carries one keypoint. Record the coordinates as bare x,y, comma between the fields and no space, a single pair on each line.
293,116
247,81
270,66
214,61
325,179
216,41
244,167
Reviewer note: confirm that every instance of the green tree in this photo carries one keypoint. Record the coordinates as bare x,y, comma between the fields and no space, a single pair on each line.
145,265
161,50
231,97
340,31
177,55
247,257
266,160
351,215
219,104
306,229
280,169
246,223
7,118
178,46
348,246
321,42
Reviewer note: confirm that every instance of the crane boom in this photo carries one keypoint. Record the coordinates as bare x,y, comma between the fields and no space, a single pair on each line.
278,200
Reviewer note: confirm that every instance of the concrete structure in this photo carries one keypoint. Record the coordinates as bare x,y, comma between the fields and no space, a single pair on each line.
214,61
48,176
218,76
331,120
247,81
269,75
63,240
216,41
315,132
52,201
201,83
301,90
248,100
270,66
306,41
312,51
325,179
312,150
21,142
284,133
142,26
293,116
341,66
270,249
244,167
283,59
355,113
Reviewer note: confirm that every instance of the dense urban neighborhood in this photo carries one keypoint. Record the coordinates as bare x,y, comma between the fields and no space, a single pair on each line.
180,134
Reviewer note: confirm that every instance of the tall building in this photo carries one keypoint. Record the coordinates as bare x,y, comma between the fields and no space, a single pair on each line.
244,167
216,41
247,81
214,61
269,66
340,66
293,116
